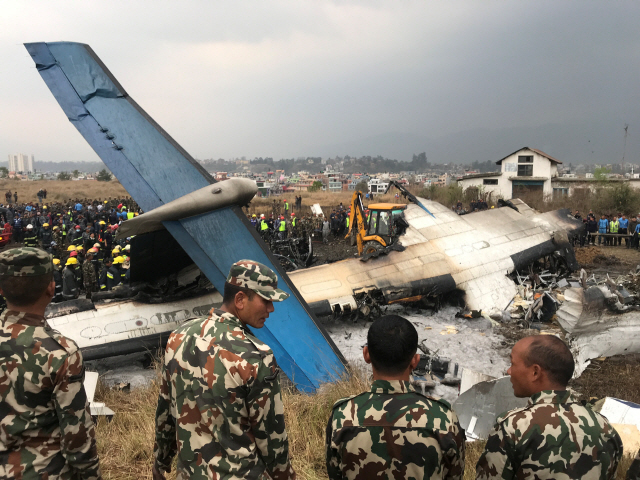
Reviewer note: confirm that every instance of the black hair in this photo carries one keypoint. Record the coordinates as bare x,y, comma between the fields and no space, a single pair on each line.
553,356
392,341
24,291
230,292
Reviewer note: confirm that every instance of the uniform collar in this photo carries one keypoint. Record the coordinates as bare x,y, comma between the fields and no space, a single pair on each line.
551,396
22,318
391,386
230,319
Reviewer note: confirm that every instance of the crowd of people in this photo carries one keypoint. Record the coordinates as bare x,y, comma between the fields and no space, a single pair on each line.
81,236
608,230
220,409
282,223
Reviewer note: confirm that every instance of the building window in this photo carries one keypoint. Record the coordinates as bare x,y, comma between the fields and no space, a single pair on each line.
525,170
490,181
525,159
560,192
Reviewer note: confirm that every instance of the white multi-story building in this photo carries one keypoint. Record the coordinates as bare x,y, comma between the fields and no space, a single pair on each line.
20,163
525,170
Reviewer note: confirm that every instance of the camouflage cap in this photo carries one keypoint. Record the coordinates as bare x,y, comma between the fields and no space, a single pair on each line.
257,277
25,262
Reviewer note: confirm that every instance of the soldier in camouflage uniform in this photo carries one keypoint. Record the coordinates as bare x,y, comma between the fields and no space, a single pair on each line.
59,239
46,429
392,431
220,407
89,276
554,436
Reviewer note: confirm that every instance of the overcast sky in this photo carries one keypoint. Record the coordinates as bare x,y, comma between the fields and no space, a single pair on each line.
461,80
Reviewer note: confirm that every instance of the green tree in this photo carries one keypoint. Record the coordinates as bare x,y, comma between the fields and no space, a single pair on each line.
315,187
104,176
363,186
4,172
600,174
75,173
64,176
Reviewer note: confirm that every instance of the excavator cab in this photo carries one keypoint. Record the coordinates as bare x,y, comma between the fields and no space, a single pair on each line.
378,231
383,223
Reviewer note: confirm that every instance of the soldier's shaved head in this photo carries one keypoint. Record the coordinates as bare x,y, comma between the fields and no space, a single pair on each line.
553,356
392,341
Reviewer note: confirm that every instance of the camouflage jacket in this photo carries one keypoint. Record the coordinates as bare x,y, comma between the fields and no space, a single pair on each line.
552,437
634,470
89,273
220,406
393,432
46,429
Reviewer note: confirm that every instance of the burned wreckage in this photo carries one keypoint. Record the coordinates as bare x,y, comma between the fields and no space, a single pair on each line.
194,230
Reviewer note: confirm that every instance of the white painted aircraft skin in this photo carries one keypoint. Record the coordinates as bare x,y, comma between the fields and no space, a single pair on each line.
475,249
126,320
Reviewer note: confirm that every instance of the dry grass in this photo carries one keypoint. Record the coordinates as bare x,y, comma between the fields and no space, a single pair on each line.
125,444
58,191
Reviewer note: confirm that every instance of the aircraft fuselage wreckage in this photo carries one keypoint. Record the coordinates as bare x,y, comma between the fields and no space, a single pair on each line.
192,219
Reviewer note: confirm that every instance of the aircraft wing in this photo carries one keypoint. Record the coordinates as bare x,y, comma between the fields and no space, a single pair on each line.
155,170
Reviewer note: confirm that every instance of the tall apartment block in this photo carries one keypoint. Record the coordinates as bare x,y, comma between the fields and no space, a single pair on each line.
20,163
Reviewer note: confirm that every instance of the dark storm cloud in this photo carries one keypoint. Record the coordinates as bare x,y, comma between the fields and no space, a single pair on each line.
460,80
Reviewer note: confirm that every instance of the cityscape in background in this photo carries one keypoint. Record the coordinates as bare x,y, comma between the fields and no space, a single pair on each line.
336,174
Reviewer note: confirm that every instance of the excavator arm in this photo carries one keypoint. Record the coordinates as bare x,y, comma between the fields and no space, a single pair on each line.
357,220
407,194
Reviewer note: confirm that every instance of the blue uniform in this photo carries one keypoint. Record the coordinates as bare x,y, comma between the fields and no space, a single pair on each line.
603,225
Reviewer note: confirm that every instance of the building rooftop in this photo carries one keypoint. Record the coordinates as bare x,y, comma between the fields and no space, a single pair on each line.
539,152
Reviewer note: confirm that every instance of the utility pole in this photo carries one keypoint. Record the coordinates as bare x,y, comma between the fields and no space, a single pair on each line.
624,148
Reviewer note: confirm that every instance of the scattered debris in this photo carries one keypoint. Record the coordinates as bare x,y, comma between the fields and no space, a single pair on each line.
625,418
478,407
98,409
450,330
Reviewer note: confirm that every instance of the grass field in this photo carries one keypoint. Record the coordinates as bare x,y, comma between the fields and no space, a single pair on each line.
58,191
125,444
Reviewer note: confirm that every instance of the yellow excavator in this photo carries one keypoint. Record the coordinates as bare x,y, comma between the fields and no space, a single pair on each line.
377,232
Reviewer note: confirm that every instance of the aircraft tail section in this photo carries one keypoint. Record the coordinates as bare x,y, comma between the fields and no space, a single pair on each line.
155,170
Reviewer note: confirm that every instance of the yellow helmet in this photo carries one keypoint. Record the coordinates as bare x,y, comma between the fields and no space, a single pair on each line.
45,224
71,261
56,261
56,228
80,248
118,260
71,248
106,201
102,221
45,207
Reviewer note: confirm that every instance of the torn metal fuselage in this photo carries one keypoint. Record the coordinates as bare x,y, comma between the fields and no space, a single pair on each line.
446,253
598,323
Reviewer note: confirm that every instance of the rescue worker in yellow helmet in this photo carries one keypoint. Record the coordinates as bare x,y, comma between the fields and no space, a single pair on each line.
114,274
46,236
69,280
57,277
